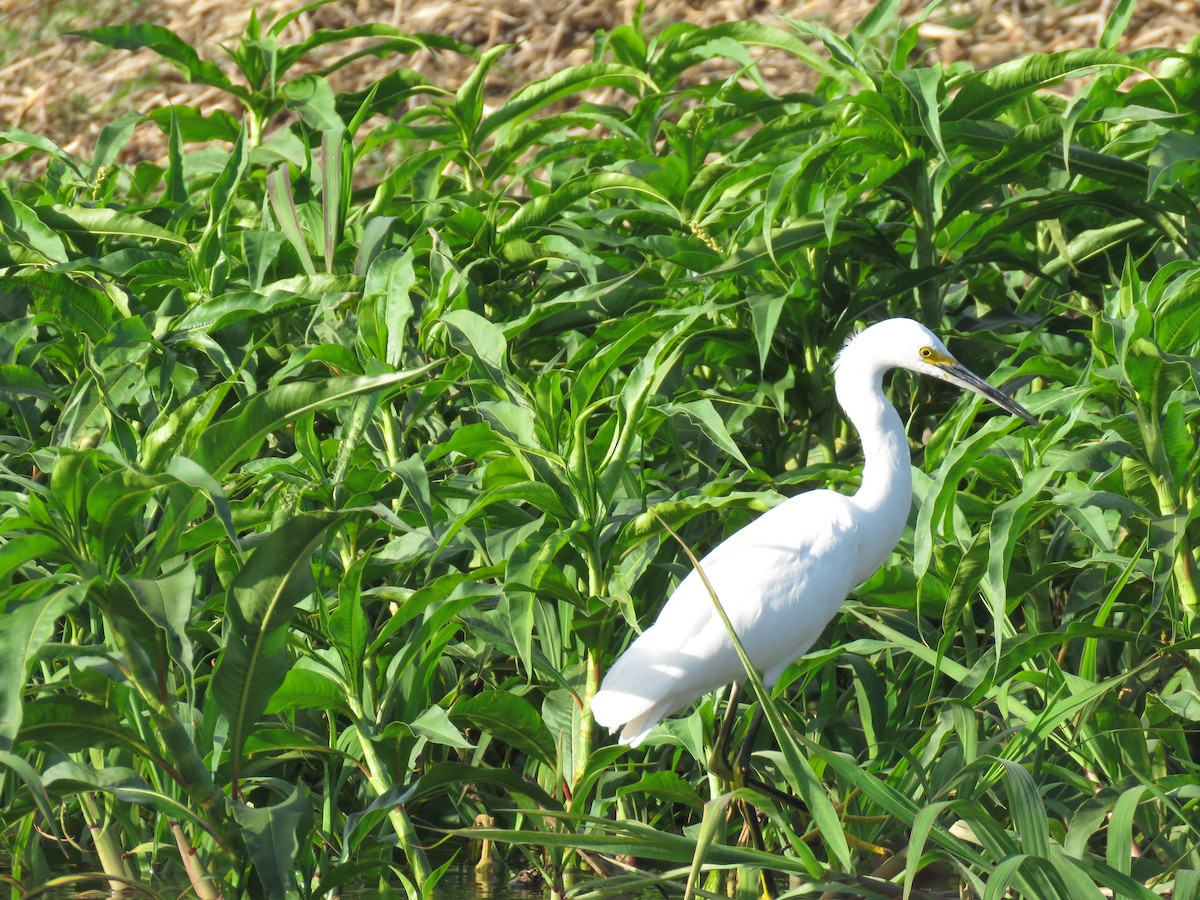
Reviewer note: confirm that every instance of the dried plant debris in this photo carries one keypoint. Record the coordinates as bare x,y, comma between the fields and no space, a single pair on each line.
66,88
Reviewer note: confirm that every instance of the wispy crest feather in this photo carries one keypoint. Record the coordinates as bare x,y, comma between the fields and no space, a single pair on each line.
850,338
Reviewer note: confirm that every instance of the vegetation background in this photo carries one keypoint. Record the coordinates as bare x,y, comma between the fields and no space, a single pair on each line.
55,85
352,372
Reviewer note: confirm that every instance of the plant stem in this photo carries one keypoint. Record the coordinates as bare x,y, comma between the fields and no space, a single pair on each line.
108,848
1159,466
389,436
1182,561
586,734
202,882
401,824
592,666
176,740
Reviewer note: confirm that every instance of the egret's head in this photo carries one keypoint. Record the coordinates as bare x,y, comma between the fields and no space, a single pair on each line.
903,343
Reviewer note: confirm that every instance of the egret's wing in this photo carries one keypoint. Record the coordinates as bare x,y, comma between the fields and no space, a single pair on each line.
780,579
767,562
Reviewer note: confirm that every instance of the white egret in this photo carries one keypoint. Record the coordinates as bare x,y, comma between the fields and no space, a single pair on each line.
785,575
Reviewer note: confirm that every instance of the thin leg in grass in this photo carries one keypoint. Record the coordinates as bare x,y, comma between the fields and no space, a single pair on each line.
737,769
765,876
720,764
718,759
747,750
740,775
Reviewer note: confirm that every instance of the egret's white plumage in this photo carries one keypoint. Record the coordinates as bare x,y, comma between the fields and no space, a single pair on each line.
784,576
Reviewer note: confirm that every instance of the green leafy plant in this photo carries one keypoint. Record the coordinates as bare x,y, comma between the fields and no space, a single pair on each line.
341,456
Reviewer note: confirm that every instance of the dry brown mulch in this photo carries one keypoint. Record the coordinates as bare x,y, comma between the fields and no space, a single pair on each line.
68,88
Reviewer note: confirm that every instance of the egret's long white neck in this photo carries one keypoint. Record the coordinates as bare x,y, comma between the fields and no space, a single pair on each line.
886,491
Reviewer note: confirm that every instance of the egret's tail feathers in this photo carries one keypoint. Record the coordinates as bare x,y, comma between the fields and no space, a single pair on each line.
640,689
634,715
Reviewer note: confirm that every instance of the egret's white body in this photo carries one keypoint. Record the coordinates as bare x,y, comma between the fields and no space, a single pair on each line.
785,575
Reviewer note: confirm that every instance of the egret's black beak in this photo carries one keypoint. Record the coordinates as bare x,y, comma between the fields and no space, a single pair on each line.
965,378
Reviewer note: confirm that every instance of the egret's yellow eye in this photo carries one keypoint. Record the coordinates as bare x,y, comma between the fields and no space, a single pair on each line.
926,352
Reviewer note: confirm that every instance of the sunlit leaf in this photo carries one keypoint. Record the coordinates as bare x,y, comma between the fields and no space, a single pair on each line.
238,434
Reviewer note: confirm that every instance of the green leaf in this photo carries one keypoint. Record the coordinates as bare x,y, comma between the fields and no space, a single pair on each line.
643,380
237,435
1119,853
79,310
399,42
258,610
305,688
888,798
988,93
33,782
468,101
193,125
1177,319
705,415
272,839
510,719
22,225
24,630
926,87
283,204
442,775
167,602
72,724
359,824
15,552
564,83
540,210
765,310
335,183
389,280
514,612
47,146
313,99
1025,806
123,783
114,506
205,264
697,45
74,475
479,339
667,786
191,474
1118,21
1184,703
348,626
762,251
434,725
706,839
102,221
213,315
169,46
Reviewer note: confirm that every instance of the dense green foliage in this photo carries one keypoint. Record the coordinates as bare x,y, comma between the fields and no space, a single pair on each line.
338,456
